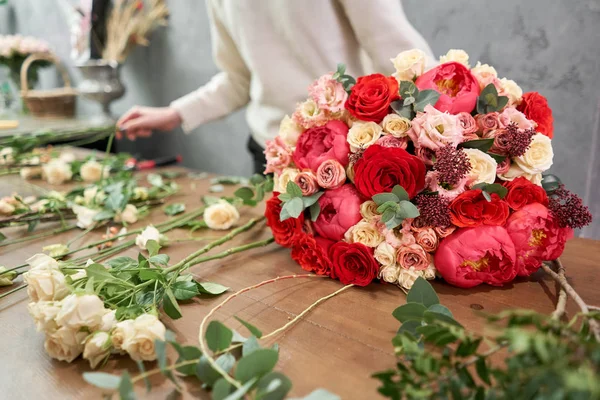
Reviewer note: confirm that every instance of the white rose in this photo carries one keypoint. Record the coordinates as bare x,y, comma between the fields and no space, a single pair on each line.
140,343
65,344
365,233
289,131
389,273
84,311
385,254
30,172
66,157
538,157
109,321
430,272
92,195
409,65
85,216
513,91
6,208
42,261
91,171
149,233
6,156
56,250
129,215
123,331
362,135
484,70
44,314
456,55
57,172
407,277
287,175
395,125
140,193
368,210
97,348
483,166
45,284
221,215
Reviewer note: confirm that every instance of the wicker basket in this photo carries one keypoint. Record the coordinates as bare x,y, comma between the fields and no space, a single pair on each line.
54,103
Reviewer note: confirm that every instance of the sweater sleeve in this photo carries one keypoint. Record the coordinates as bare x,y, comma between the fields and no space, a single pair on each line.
225,92
383,31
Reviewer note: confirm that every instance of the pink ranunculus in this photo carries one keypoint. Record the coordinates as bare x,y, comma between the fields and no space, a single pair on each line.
469,126
488,122
472,256
537,237
391,141
278,155
413,256
322,143
451,192
458,88
331,174
512,115
307,181
434,129
340,210
328,93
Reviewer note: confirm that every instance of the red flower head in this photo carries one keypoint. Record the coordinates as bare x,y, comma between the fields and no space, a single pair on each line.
340,210
535,107
471,209
322,143
458,88
311,254
371,97
288,232
353,263
382,168
470,257
522,192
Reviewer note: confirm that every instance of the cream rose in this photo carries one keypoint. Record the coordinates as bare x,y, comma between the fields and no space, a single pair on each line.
389,274
221,215
395,125
289,131
30,172
45,284
515,171
308,115
483,167
42,261
109,321
407,277
456,55
485,74
430,272
385,254
368,210
85,216
6,208
139,344
331,174
365,233
91,171
65,344
66,157
538,157
84,311
286,176
122,332
97,348
140,193
57,172
92,195
129,215
409,65
513,91
362,135
44,314
427,238
150,233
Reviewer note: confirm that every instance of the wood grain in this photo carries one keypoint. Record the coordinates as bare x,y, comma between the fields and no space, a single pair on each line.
337,346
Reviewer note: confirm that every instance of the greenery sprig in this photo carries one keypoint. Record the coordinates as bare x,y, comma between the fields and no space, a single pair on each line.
346,80
294,203
489,101
395,207
254,194
413,100
487,189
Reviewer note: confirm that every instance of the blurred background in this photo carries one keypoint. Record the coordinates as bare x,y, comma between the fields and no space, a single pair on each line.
551,46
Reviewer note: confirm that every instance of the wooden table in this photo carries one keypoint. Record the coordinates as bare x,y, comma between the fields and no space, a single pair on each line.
337,346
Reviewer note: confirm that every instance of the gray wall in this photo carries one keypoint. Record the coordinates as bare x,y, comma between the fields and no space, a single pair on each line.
551,46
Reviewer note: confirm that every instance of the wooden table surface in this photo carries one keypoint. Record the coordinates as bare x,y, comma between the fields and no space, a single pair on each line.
337,346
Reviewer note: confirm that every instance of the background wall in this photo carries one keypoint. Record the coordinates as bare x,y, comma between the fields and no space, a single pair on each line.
552,46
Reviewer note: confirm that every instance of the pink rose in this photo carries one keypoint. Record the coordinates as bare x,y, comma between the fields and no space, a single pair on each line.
278,154
397,238
328,93
488,122
512,115
426,155
503,167
390,141
307,181
434,129
446,231
469,126
472,256
413,256
331,174
322,143
427,239
458,88
340,210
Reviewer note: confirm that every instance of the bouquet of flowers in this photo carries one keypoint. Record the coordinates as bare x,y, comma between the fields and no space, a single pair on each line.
421,174
14,49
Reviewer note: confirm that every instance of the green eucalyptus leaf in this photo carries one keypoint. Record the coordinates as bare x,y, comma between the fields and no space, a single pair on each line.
147,384
244,193
407,88
104,215
256,364
126,387
294,207
382,198
293,189
250,345
207,374
400,193
310,200
273,386
257,179
187,353
438,308
102,380
185,290
221,389
241,392
409,327
314,210
408,101
175,208
431,316
388,215
388,205
253,330
218,336
483,145
497,188
408,210
482,370
497,157
403,111
409,312
424,98
423,293
320,394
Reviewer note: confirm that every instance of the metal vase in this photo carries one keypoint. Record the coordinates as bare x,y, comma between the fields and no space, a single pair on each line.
101,82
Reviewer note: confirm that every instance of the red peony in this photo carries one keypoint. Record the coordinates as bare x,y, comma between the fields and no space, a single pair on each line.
536,108
471,209
537,237
470,257
322,143
340,210
311,254
522,192
288,232
458,88
353,263
371,97
382,168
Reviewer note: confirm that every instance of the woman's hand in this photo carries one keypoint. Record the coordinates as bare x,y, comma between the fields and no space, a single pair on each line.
140,121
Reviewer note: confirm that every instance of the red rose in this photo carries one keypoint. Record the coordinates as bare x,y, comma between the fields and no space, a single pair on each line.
470,209
522,192
353,263
371,97
288,232
470,257
382,168
536,108
458,88
311,254
322,143
340,210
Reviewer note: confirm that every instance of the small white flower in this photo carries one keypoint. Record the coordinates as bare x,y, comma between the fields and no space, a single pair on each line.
92,195
221,215
57,172
65,344
129,215
140,193
85,216
6,208
30,172
91,171
149,233
44,314
66,157
109,321
407,277
42,261
97,348
389,274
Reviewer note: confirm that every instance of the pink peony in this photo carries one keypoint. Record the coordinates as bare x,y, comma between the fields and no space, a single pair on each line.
278,155
331,174
391,141
328,93
322,143
434,129
340,210
307,181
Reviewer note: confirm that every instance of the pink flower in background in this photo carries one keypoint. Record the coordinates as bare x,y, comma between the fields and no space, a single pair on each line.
278,155
512,115
331,174
307,181
469,126
340,210
328,93
322,143
434,129
390,141
503,167
413,256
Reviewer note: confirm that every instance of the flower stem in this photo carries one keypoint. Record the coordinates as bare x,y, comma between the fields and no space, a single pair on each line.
3,295
38,236
229,252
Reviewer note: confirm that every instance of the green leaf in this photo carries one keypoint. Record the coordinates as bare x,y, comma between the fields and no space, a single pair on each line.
382,198
284,197
409,312
104,215
438,308
314,211
294,207
502,102
391,205
310,200
99,273
468,347
550,183
147,384
487,196
31,226
170,305
256,364
257,179
210,200
497,188
153,247
408,101
207,374
402,110
174,209
394,222
388,215
239,394
409,327
253,330
2,237
293,189
126,387
407,210
497,157
422,293
400,193
431,316
102,380
480,144
221,389
273,386
185,290
250,345
424,98
122,263
407,88
187,353
244,193
218,336
160,259
211,288
482,370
